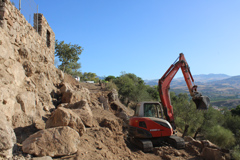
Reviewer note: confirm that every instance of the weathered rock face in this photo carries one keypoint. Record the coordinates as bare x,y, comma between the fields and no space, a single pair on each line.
27,100
26,64
65,117
52,142
121,111
104,102
113,95
7,137
27,75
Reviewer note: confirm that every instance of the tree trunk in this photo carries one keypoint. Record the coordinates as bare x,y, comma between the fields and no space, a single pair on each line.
128,102
185,130
196,133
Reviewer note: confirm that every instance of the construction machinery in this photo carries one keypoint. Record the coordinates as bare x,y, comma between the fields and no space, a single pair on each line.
149,127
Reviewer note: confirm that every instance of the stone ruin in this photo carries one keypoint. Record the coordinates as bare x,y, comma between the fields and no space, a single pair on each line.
21,33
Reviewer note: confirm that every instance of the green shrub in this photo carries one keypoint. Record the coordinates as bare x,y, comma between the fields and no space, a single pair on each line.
110,86
220,136
179,123
236,153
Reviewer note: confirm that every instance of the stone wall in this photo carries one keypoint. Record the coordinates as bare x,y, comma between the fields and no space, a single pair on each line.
23,35
28,77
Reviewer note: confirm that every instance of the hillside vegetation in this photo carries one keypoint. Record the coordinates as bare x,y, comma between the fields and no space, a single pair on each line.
220,127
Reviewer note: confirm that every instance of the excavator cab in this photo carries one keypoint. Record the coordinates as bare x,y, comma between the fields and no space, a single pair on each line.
148,128
149,109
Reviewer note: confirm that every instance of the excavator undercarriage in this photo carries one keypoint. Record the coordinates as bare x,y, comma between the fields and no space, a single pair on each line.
146,145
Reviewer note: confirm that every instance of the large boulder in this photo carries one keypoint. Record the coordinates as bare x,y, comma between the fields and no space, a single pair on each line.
82,109
65,117
59,141
212,154
65,88
7,138
76,96
193,146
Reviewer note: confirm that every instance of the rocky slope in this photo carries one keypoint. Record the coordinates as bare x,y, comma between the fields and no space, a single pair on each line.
46,114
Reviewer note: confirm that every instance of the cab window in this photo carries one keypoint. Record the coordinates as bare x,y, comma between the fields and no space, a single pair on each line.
150,110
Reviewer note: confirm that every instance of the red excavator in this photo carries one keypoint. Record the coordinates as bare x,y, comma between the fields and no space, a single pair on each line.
148,126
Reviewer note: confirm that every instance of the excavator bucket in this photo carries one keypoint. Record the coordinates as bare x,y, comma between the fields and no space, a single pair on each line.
202,102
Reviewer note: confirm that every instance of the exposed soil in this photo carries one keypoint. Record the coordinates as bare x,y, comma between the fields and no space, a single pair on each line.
108,138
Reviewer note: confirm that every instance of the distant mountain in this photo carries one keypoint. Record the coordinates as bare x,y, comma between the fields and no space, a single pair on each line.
101,77
151,82
218,87
232,81
202,78
210,77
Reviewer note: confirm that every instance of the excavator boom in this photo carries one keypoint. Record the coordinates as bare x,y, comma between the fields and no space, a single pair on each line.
202,102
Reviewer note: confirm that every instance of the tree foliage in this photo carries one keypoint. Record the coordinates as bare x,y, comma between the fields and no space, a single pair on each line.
68,55
236,152
131,88
89,76
220,127
153,92
110,78
236,111
221,136
187,118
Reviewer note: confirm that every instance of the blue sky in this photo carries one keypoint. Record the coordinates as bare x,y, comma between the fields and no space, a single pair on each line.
145,37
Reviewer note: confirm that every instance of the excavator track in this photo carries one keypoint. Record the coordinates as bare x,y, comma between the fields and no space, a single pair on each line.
176,142
146,145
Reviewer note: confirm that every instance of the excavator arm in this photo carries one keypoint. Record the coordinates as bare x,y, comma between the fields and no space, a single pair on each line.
202,102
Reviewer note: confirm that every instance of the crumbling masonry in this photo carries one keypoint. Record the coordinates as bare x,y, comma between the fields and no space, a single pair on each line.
23,35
